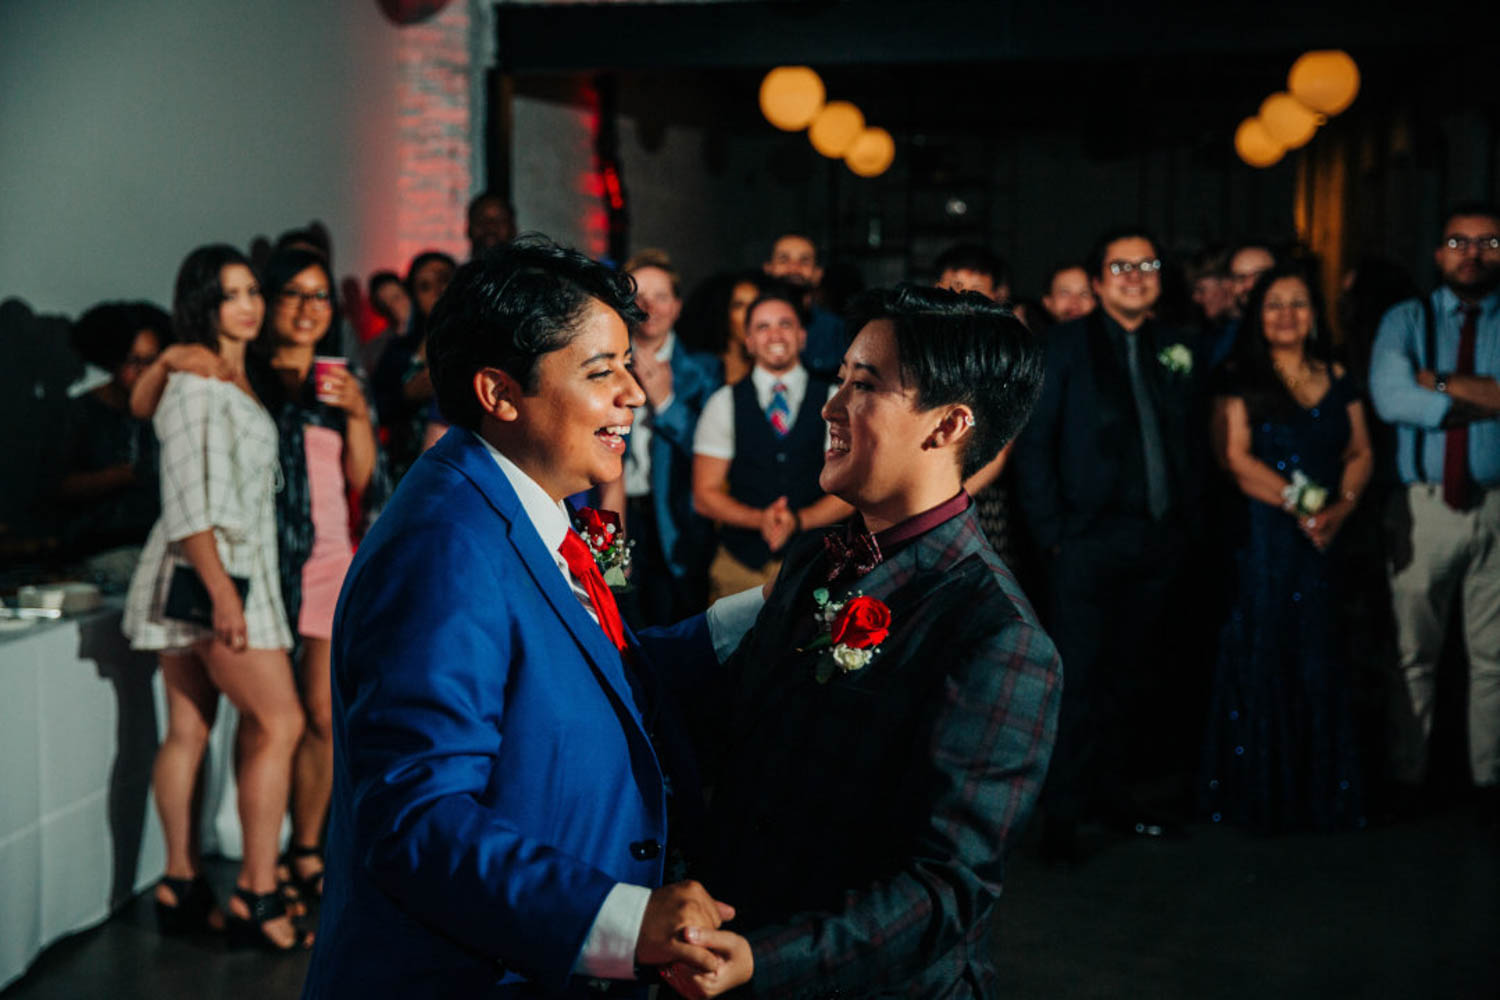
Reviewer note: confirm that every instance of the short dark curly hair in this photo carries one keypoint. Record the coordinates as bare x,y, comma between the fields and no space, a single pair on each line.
960,347
509,307
103,336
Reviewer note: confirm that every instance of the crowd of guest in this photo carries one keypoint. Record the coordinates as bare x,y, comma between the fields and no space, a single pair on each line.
1246,535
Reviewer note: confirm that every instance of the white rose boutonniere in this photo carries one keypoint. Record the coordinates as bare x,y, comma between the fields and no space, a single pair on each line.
1177,359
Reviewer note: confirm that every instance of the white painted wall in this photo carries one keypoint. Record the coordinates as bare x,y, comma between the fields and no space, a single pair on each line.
133,130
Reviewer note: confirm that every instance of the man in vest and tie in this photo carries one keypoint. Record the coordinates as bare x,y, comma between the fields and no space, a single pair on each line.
759,448
1435,375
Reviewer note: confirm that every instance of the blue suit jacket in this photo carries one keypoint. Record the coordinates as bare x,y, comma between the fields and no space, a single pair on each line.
685,537
493,778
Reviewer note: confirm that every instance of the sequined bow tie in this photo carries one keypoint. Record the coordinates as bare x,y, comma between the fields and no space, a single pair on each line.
851,550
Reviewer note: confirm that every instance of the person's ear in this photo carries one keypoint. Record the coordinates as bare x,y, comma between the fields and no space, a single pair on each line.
955,427
497,392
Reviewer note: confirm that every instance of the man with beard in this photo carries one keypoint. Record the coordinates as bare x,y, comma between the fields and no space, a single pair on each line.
1433,374
794,260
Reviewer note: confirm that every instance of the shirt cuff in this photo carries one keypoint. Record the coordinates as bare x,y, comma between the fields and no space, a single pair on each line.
609,950
729,618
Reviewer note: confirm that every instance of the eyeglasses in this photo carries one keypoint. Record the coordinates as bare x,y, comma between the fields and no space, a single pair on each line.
1119,267
295,299
1462,243
138,361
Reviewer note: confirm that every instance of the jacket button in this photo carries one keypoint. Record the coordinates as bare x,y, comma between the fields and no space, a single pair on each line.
645,850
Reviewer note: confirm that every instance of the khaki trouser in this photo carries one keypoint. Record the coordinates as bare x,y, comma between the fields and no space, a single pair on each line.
727,575
1435,553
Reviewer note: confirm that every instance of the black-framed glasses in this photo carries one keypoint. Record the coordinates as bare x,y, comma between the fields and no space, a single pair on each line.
295,298
1462,243
1148,266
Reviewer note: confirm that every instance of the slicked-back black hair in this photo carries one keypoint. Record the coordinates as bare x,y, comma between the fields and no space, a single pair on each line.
198,293
959,347
507,308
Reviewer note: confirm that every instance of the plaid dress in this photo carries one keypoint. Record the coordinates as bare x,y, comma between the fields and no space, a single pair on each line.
219,471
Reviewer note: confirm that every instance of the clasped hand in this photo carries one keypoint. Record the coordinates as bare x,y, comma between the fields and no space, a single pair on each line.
680,932
778,523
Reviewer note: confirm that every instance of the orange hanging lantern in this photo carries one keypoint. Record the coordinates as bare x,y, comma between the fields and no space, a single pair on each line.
1326,80
1290,122
1256,146
871,153
836,128
791,97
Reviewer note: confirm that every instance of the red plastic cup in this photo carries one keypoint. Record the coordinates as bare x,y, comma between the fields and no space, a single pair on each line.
323,367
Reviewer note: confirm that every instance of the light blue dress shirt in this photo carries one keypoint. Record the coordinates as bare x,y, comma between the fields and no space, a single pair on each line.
1418,413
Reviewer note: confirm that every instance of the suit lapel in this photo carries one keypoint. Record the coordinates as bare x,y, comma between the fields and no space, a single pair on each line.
906,583
1111,380
463,451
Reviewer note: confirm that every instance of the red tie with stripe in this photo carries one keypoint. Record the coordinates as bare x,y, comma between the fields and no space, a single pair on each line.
575,552
1456,443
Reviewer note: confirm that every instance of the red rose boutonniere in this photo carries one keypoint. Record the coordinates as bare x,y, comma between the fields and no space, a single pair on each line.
856,628
607,543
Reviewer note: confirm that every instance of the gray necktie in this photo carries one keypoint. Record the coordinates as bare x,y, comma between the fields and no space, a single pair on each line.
1157,492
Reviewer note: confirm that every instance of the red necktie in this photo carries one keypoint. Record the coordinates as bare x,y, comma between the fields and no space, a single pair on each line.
575,552
1456,445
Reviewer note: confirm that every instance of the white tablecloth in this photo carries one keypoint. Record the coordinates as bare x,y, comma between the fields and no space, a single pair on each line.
80,719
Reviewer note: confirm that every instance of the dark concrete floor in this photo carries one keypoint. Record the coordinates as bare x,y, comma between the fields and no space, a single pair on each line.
1401,912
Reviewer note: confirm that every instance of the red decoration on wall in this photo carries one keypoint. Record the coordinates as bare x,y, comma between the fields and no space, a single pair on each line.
404,12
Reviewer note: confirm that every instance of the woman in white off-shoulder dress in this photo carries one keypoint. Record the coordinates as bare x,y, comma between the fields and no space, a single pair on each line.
219,475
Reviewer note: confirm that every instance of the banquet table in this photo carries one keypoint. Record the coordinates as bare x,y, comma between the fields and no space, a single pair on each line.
80,718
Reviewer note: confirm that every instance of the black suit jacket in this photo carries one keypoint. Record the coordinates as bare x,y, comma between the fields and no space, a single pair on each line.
860,826
1077,456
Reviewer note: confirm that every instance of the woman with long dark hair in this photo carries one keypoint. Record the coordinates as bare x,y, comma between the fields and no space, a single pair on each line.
1281,751
328,453
207,597
403,386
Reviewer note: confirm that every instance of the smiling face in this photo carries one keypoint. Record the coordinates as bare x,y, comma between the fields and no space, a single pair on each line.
795,260
654,294
1070,296
775,337
568,434
1128,296
1286,314
876,459
303,309
242,309
1248,264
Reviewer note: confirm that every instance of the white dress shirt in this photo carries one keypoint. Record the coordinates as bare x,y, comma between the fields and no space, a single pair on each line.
609,950
715,434
638,461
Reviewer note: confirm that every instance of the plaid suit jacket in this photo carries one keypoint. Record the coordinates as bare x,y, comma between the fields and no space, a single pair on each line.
860,826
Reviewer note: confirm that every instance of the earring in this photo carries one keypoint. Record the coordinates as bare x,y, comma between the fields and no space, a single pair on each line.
967,419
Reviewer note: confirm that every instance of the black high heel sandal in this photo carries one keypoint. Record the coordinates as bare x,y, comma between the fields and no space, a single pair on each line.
194,910
303,886
250,932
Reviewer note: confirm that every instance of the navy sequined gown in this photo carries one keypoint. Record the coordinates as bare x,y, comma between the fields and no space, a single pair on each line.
1280,751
